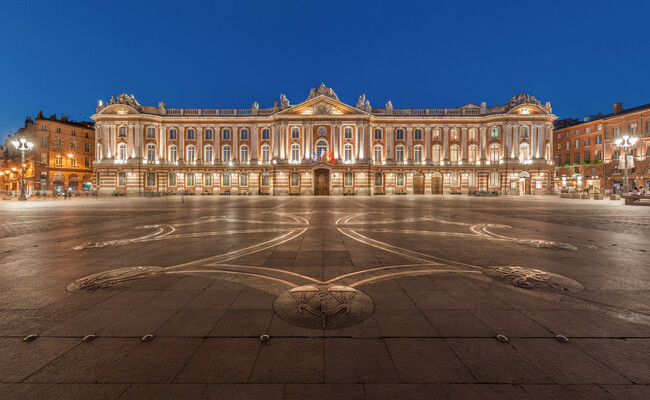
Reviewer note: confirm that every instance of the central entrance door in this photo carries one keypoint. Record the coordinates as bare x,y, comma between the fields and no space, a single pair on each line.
322,182
418,183
436,185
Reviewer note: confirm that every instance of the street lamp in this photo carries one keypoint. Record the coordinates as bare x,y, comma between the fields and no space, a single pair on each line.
22,145
626,142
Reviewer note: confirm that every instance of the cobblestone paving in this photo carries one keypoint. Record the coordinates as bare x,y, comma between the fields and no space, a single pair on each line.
396,297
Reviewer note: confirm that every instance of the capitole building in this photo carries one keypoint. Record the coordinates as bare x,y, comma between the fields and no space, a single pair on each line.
323,146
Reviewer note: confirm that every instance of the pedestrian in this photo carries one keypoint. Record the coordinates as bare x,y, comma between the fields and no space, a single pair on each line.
642,191
635,191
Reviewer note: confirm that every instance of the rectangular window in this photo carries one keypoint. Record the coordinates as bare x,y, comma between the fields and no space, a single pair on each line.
43,127
568,145
587,129
632,129
58,143
173,133
44,141
616,132
266,134
588,142
538,185
43,158
226,134
559,135
598,155
577,132
73,145
87,162
577,143
399,134
58,130
568,134
244,134
418,134
73,133
599,127
599,139
576,158
73,162
567,159
151,132
378,133
588,157
472,134
208,134
559,146
347,132
191,134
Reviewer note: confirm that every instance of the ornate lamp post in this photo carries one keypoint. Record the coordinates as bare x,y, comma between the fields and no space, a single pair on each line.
626,142
22,145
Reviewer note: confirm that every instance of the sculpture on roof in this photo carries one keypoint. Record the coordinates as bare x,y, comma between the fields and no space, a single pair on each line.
322,90
389,106
361,101
125,99
367,106
284,101
522,98
255,109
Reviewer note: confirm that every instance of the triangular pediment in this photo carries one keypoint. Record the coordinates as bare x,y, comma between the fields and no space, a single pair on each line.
322,105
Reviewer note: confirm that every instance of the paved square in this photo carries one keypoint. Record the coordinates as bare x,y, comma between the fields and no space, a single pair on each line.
362,297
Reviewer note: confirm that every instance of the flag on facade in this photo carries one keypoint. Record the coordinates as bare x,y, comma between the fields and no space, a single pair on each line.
330,157
314,156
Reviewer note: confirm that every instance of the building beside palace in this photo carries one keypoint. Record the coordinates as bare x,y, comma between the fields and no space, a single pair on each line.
61,158
586,155
323,146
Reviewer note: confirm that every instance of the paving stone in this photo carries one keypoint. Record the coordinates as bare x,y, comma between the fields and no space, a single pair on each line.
628,392
243,323
358,361
213,361
577,392
457,323
288,360
49,391
245,391
482,391
512,323
254,299
404,323
213,299
163,391
434,300
137,323
323,391
631,361
405,391
20,359
190,323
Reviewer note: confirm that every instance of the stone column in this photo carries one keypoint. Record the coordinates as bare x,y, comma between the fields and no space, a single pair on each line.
409,145
507,137
217,145
533,141
275,142
234,156
445,144
515,141
162,136
283,139
199,145
427,145
390,144
463,144
106,141
181,145
130,140
338,149
483,131
255,130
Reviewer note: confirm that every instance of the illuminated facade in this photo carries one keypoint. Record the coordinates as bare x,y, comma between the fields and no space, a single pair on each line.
323,146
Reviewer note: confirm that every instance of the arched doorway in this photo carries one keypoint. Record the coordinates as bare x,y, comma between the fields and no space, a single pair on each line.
73,182
436,183
322,182
58,181
418,183
524,183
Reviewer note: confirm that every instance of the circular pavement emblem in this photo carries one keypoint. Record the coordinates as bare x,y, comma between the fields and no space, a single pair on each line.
529,278
323,306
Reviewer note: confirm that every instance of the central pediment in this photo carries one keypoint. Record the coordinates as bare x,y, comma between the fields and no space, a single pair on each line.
322,105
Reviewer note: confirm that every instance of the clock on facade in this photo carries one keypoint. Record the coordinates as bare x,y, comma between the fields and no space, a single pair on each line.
322,130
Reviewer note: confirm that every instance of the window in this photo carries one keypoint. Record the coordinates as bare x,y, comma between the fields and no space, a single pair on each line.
472,154
599,139
576,158
191,153
453,154
321,148
378,134
151,179
151,133
58,130
559,135
243,154
379,179
173,153
378,154
86,135
44,141
473,179
347,132
472,134
399,154
226,134
568,134
244,134
348,179
454,179
435,154
399,179
436,134
121,179
208,154
567,159
632,129
524,132
577,132
58,143
58,160
43,158
495,179
616,132
417,134
243,179
189,179
266,153
151,153
295,179
599,127
559,146
295,152
225,179
73,161
399,134
171,179
225,154
524,152
592,171
587,129
87,147
208,134
87,162
495,153
454,134
577,143
417,154
207,179
265,179
173,134
567,145
266,134
347,152
494,132
587,142
599,155
73,145
121,151
43,127
588,157
191,134
121,131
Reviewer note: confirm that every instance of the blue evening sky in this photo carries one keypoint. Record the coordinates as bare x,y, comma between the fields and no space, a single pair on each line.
62,57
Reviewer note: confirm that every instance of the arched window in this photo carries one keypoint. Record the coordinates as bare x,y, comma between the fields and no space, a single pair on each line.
495,179
454,134
347,133
225,179
295,179
495,153
243,134
472,154
454,179
226,134
266,153
266,134
58,160
122,131
348,179
151,179
378,134
417,134
524,152
435,154
399,154
173,153
208,154
436,134
473,179
191,153
524,132
295,133
208,134
225,154
151,153
399,179
121,151
87,147
494,132
321,148
379,179
121,179
189,179
151,132
295,153
171,179
417,154
399,134
191,134
173,134
347,152
265,179
453,154
243,179
243,154
472,134
378,154
207,179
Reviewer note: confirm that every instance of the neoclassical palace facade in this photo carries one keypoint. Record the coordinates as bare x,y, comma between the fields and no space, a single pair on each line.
324,147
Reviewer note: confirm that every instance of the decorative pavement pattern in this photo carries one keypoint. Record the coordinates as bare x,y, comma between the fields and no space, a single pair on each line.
280,298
